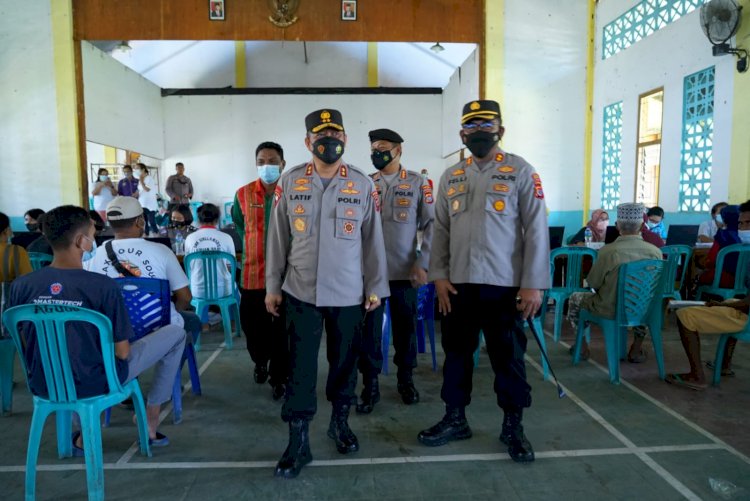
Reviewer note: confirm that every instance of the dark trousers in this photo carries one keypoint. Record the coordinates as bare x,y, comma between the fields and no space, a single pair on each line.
149,216
403,311
493,310
304,325
266,336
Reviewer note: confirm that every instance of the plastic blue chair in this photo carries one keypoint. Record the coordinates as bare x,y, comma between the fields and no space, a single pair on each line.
743,335
52,342
639,286
194,209
675,256
39,260
573,281
148,303
209,262
227,219
426,320
7,362
739,288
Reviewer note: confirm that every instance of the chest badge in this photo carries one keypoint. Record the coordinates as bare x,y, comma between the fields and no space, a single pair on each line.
458,172
506,169
349,189
501,187
499,205
455,205
348,227
404,186
451,191
299,224
349,212
299,209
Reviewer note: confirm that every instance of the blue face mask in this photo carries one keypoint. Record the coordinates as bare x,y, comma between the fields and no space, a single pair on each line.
744,236
89,254
269,173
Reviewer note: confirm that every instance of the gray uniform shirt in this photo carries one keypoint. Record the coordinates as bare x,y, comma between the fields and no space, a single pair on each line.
325,245
491,225
407,206
178,187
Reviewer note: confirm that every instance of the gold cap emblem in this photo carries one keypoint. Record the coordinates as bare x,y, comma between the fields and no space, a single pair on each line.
474,106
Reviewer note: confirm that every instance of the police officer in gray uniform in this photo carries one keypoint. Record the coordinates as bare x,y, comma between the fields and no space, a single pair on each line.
325,252
490,262
407,206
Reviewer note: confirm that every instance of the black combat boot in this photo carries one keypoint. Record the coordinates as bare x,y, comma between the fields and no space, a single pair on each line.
370,395
278,391
297,453
453,426
261,373
406,389
339,431
512,435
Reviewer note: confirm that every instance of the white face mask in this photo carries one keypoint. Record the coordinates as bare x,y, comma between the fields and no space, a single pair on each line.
744,236
137,173
719,220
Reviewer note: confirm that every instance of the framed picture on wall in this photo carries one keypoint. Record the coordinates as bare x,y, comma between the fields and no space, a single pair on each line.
216,10
349,10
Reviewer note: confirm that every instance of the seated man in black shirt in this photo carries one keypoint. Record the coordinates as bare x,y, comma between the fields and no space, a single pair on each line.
70,231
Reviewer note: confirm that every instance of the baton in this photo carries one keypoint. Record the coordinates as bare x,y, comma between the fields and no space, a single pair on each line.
530,323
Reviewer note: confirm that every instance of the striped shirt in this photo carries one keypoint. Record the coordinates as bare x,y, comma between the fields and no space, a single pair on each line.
250,214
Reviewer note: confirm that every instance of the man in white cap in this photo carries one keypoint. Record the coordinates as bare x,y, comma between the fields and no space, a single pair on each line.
628,247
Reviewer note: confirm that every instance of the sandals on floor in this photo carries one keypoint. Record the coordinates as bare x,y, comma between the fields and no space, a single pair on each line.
585,354
638,359
725,373
678,380
77,451
161,440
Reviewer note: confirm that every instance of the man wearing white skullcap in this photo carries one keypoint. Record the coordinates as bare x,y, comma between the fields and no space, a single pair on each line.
628,247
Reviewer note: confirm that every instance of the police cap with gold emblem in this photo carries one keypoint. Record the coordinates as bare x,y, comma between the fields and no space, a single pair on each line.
482,108
385,135
324,119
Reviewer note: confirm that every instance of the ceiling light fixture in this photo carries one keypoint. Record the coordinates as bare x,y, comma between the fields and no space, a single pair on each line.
437,48
124,47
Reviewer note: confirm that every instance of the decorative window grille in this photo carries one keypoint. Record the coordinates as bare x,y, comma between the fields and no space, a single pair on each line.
611,155
646,17
697,141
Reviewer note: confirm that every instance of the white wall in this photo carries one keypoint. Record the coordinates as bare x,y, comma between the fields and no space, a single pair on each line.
216,136
662,59
462,87
544,93
28,129
329,64
123,109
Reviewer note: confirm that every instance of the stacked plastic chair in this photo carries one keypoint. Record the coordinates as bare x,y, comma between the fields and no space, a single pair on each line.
738,288
228,301
51,335
39,260
148,303
639,286
573,281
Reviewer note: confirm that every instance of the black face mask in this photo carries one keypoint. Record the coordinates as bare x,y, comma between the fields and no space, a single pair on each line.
32,226
328,149
481,142
178,224
381,158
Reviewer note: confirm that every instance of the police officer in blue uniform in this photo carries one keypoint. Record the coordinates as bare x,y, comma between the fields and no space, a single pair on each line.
490,263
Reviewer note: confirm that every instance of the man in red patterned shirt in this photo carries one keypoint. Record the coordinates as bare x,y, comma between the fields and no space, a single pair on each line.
265,334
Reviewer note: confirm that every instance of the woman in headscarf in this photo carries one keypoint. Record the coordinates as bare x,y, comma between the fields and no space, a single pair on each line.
598,226
726,236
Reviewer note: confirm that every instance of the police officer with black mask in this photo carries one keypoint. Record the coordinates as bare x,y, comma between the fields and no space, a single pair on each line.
490,263
325,252
407,207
